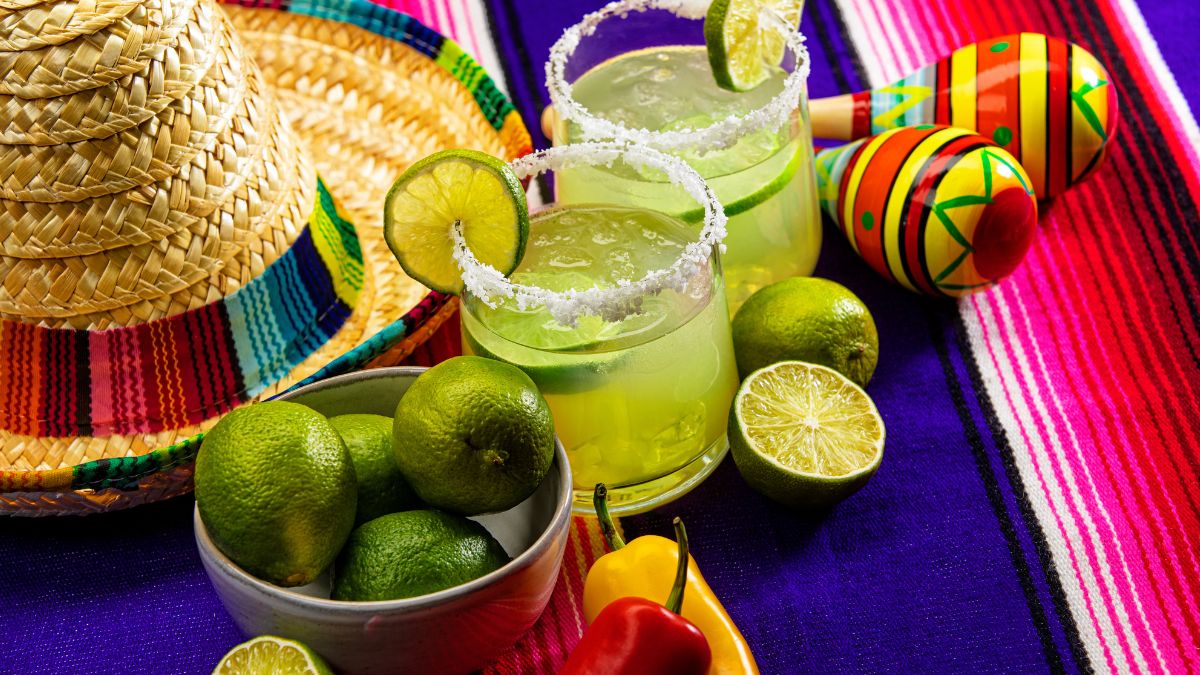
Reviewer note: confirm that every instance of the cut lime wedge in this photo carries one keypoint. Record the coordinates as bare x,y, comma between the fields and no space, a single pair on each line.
804,435
269,655
742,43
456,188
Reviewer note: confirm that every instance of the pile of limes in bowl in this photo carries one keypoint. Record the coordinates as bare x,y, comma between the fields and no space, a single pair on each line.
382,503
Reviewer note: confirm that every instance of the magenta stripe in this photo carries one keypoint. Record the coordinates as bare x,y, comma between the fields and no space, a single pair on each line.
1040,476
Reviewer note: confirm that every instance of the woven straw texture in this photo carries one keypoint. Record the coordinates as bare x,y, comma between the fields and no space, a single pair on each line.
96,59
185,173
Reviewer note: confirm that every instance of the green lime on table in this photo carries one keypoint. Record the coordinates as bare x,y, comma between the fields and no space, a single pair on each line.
806,319
270,655
276,489
743,44
403,555
804,435
473,436
470,192
382,489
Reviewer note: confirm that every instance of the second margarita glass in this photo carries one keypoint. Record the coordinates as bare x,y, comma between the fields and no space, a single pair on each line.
638,71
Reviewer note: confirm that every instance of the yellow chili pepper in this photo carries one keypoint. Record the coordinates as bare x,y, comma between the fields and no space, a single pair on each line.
644,568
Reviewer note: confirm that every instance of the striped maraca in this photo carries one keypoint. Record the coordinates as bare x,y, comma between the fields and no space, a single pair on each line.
939,210
1048,102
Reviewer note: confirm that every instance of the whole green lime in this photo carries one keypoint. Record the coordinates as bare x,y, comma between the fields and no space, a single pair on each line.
402,555
806,319
381,487
276,490
473,435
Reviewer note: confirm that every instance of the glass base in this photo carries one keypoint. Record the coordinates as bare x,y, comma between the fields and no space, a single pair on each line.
642,497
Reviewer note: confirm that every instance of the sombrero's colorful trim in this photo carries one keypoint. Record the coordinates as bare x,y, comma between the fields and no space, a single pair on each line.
184,369
445,52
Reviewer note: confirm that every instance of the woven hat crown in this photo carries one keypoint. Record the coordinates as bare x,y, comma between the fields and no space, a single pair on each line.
145,169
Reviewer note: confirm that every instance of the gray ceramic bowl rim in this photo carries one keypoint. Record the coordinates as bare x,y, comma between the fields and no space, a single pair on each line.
560,520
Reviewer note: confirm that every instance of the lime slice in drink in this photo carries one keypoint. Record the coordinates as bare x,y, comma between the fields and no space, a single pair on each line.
560,359
269,655
742,43
762,194
804,435
452,189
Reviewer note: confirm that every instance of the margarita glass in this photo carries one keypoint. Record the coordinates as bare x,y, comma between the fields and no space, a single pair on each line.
638,71
618,313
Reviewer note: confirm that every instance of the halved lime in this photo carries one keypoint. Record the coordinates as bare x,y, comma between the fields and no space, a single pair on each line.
742,45
270,655
456,188
804,435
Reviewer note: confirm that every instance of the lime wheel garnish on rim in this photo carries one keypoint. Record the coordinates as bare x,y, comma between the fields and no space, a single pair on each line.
456,193
745,39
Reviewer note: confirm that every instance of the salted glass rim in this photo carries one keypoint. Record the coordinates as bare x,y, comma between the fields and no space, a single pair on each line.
773,114
622,300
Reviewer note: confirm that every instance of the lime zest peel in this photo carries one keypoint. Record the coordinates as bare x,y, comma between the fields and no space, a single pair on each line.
718,135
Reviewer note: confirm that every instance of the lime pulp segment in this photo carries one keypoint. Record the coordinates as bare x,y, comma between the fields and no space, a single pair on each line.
271,655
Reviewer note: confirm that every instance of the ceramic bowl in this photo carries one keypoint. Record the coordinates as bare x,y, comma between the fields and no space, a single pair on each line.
457,630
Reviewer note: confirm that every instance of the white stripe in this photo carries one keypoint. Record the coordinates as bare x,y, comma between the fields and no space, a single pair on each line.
1036,470
860,30
1051,422
475,14
1131,15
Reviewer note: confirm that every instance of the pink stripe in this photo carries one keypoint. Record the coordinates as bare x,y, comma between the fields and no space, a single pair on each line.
1072,439
1107,441
1135,383
102,385
991,352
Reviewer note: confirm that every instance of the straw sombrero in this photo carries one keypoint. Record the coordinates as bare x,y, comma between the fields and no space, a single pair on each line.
172,242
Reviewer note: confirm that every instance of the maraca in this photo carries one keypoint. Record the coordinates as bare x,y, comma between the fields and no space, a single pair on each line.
939,210
1048,102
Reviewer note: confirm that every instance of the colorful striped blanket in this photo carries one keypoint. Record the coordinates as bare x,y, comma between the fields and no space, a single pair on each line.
1038,506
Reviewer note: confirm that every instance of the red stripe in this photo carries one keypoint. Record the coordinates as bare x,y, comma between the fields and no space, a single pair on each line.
861,125
941,107
1058,95
921,196
873,192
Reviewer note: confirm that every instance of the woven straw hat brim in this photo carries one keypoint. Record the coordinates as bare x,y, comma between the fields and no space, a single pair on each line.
57,287
93,60
126,102
364,107
277,221
54,23
135,157
367,107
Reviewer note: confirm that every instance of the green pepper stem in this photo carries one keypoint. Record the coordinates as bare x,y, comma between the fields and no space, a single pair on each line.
675,599
600,501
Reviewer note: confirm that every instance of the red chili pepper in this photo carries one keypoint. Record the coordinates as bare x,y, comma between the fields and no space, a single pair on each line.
634,636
